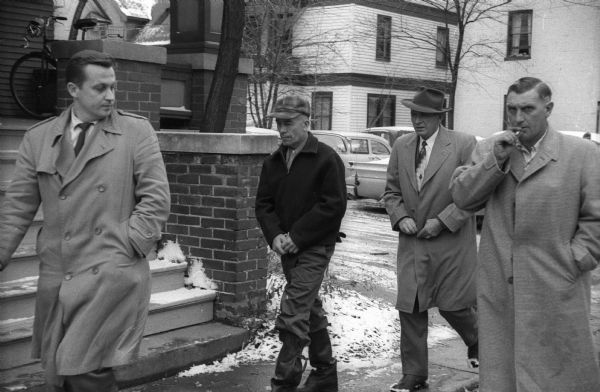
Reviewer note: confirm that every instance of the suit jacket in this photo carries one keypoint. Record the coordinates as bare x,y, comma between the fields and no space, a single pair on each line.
540,240
103,212
441,271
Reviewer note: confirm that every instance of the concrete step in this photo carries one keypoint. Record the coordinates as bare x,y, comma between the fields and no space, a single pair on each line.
24,263
17,297
161,355
169,310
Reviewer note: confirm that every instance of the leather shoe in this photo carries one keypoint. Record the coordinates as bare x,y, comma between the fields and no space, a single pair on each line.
410,383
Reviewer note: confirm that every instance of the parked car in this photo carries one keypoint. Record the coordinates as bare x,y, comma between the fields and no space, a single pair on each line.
390,133
355,147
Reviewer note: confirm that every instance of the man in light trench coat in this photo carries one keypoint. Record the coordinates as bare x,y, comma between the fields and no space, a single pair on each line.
539,242
100,178
436,240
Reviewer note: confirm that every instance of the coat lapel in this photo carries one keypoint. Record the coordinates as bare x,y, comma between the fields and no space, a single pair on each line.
439,153
62,150
548,151
407,160
99,143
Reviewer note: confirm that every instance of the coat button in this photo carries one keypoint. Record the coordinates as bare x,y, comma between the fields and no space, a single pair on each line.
67,236
510,280
63,196
101,188
148,234
98,231
95,270
68,276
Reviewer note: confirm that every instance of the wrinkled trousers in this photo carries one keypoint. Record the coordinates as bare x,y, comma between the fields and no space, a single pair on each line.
301,308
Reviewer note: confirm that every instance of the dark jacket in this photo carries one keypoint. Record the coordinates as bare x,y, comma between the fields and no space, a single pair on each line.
308,201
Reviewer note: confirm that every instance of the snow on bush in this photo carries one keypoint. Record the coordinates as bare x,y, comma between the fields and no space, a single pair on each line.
364,331
171,252
197,276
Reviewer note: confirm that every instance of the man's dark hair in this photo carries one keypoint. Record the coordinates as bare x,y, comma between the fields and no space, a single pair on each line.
74,72
528,83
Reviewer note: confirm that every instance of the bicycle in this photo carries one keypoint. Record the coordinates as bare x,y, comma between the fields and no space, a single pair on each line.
33,76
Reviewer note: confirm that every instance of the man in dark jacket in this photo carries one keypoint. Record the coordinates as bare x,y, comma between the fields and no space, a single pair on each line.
300,203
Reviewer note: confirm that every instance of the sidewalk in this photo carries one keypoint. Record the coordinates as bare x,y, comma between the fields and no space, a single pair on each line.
447,366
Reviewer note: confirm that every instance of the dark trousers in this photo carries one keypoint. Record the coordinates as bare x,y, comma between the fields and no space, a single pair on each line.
413,336
301,308
102,380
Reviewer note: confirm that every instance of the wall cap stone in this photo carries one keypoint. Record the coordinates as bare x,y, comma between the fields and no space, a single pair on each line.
216,143
119,50
208,61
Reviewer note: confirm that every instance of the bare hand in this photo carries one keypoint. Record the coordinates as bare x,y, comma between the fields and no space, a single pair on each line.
278,242
433,227
407,226
504,144
288,245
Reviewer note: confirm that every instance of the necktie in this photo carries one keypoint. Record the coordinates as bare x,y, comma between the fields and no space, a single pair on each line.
81,138
421,154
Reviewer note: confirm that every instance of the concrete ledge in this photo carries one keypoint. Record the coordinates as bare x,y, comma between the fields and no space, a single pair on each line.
208,61
216,143
169,353
119,50
161,355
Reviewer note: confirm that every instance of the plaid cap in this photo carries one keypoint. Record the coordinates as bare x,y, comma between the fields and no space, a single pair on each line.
291,106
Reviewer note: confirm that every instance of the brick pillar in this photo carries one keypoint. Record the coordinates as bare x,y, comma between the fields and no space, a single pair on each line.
203,65
138,71
213,180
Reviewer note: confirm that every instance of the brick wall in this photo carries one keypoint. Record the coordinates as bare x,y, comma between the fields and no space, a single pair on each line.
138,72
213,180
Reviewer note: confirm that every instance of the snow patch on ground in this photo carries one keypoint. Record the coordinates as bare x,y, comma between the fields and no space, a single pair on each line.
364,332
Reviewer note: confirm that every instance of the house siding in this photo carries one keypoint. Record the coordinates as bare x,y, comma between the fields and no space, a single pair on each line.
347,66
564,53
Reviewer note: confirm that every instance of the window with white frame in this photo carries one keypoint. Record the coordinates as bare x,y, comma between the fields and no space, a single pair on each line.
519,34
381,110
442,47
321,110
384,38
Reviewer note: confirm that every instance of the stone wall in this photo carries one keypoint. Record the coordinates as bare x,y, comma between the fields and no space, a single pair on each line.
213,180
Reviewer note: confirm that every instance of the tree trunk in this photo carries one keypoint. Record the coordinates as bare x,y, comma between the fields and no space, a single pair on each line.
226,69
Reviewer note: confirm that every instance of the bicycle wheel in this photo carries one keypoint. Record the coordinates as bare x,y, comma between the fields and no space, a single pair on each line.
33,84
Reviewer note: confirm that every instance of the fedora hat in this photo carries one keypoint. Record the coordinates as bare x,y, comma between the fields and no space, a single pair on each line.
427,100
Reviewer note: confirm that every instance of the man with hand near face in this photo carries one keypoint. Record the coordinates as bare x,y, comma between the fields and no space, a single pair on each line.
539,242
99,175
300,203
436,240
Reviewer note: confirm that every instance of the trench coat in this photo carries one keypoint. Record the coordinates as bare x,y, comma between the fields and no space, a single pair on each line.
103,212
441,271
540,240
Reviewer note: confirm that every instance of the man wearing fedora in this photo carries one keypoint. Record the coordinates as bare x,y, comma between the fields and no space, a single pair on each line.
300,203
436,240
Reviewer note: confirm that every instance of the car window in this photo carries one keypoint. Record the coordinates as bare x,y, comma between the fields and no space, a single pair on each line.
334,142
359,146
378,148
